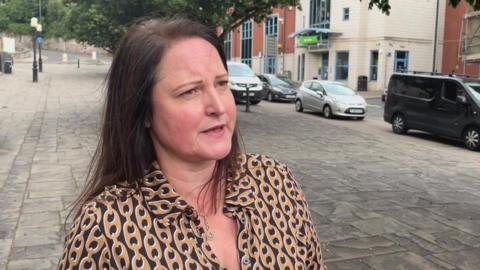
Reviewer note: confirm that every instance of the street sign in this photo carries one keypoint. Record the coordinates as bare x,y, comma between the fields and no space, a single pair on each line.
307,40
39,40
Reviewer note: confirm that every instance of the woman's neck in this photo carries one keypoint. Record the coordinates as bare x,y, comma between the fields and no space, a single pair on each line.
188,180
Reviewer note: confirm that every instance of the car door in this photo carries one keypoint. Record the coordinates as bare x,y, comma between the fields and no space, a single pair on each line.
317,96
418,96
321,96
450,114
266,85
307,94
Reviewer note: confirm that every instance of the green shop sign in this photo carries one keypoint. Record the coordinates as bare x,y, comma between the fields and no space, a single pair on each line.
308,39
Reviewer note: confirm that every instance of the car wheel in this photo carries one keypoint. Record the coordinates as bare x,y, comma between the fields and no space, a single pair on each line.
360,118
471,137
269,96
398,124
327,111
298,105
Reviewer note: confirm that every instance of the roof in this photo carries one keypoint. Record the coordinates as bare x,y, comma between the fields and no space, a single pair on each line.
311,30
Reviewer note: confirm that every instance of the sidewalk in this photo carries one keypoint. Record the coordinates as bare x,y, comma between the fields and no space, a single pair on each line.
370,94
47,136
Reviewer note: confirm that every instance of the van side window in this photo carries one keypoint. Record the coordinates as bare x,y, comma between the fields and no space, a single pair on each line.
452,90
416,87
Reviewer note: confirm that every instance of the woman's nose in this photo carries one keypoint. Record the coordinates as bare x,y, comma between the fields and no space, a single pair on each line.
215,102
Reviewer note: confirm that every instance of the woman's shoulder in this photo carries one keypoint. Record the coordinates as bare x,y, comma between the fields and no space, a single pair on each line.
111,197
263,169
255,161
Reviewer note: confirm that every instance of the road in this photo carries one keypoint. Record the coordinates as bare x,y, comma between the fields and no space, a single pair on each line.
380,200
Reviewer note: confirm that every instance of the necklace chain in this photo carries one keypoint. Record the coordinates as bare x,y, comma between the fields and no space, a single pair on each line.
210,235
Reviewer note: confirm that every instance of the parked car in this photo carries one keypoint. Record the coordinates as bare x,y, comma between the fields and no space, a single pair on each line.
240,76
441,104
277,88
331,98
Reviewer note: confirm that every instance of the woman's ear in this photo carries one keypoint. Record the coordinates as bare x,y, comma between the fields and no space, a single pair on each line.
147,123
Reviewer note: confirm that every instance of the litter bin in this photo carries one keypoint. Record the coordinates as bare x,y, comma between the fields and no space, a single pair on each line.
362,83
7,67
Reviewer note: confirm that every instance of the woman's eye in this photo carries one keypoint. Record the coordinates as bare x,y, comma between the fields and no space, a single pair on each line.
190,92
223,84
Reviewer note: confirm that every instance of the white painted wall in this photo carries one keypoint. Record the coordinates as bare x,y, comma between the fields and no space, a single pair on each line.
409,27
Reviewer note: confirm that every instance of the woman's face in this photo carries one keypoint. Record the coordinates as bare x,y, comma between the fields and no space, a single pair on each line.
193,110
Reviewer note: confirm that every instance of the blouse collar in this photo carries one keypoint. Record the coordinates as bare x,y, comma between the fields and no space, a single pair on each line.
166,204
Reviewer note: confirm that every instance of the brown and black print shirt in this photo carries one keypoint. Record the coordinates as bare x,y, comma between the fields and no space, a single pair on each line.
156,228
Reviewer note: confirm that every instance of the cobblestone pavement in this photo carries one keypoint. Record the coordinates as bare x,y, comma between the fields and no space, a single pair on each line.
380,201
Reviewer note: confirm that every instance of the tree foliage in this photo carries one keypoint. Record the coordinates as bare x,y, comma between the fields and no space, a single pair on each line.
103,22
385,7
15,16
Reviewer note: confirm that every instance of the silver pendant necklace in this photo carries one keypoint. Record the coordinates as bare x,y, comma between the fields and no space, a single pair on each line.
210,235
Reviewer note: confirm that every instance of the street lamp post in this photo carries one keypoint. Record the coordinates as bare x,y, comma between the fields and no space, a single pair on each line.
33,24
40,62
435,40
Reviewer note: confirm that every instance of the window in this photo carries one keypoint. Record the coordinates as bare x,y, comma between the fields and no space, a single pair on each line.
452,90
270,52
320,13
308,85
416,87
270,64
271,26
346,14
373,65
341,66
246,56
401,61
227,46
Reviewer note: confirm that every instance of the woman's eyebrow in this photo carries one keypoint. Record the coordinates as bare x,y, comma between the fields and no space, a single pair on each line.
187,83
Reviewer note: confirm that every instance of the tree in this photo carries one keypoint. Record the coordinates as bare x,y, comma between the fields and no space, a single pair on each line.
385,7
15,16
103,22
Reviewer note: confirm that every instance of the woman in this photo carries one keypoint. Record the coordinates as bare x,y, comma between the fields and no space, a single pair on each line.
169,187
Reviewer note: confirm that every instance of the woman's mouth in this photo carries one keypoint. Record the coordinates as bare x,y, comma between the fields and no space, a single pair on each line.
216,131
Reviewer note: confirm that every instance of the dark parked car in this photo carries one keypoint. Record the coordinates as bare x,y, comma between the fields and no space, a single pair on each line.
445,105
278,88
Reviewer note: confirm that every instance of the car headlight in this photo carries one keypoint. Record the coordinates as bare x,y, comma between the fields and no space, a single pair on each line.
338,102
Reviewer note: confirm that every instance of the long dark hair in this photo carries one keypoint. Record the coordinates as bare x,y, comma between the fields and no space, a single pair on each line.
125,149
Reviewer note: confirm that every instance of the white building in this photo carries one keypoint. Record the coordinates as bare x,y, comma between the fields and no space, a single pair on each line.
342,40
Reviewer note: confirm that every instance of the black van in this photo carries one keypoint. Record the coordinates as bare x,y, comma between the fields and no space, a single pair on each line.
446,105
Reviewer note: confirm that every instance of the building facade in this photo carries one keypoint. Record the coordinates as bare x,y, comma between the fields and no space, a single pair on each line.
461,49
264,46
342,40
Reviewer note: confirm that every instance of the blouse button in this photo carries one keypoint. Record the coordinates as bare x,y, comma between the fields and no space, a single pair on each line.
189,212
246,260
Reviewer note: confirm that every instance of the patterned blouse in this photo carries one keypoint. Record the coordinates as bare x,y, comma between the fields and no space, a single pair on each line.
155,228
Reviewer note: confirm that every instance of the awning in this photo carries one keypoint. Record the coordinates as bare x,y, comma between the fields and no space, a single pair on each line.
311,30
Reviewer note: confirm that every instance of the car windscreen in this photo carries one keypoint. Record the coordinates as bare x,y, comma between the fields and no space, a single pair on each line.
338,89
277,81
475,87
240,71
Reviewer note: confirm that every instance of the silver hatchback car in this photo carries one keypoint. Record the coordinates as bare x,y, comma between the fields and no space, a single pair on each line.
330,98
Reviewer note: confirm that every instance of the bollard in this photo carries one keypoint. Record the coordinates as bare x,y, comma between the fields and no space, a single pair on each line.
78,63
247,106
